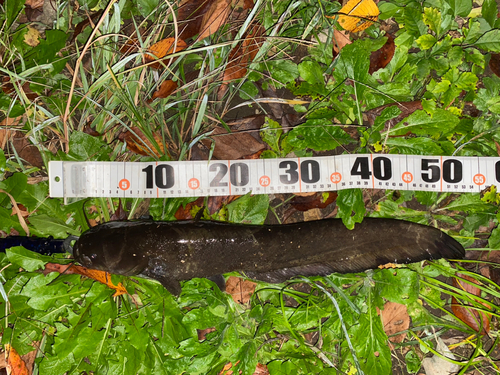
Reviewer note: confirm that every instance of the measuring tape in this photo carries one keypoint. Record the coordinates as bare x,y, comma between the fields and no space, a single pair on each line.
269,176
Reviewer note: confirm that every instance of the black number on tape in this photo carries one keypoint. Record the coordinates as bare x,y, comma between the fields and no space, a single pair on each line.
382,168
309,171
452,171
497,171
432,172
163,177
221,170
239,174
292,175
361,168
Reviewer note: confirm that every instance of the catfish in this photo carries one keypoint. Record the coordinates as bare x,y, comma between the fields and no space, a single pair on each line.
170,252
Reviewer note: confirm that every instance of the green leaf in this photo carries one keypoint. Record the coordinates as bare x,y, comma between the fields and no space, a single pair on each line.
272,137
414,22
489,11
426,41
12,9
14,185
25,259
470,202
46,225
3,164
248,91
397,285
46,51
318,135
414,146
420,123
432,18
147,6
351,207
84,147
284,71
460,8
248,209
494,240
311,72
489,41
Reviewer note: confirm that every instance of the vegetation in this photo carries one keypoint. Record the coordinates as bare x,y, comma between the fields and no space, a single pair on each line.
144,80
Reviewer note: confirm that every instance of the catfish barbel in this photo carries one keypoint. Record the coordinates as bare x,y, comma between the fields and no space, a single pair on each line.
171,252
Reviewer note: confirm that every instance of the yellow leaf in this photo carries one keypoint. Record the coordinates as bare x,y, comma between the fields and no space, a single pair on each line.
358,15
32,37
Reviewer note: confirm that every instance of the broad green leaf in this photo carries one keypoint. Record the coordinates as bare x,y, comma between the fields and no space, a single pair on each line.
494,240
489,11
420,123
3,164
147,6
397,285
426,41
414,22
84,147
414,146
489,41
46,51
248,91
460,8
351,207
25,259
319,135
248,209
14,185
311,72
470,202
370,343
432,18
272,137
284,71
46,225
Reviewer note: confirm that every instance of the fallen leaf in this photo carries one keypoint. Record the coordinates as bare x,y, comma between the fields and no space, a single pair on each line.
163,48
120,213
33,9
215,17
340,40
190,16
316,200
101,276
18,212
8,88
240,290
166,88
241,56
15,364
468,314
184,213
34,3
232,146
494,63
358,15
202,333
32,37
395,319
138,143
383,56
436,365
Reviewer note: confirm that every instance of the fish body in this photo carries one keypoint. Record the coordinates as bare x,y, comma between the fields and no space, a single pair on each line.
174,251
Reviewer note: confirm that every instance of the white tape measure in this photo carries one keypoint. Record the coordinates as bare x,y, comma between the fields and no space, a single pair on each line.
269,176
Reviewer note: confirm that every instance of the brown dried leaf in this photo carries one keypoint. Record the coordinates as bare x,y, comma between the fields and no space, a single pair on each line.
202,333
34,3
494,63
163,48
380,58
26,150
240,290
215,17
32,37
184,213
316,200
468,314
190,16
138,143
101,276
340,40
120,213
395,319
15,364
166,88
17,211
8,88
232,146
241,56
